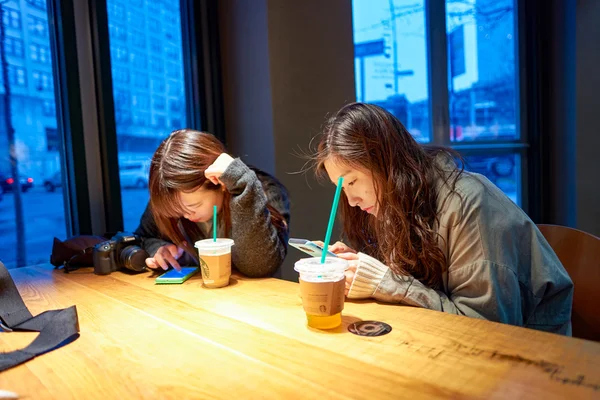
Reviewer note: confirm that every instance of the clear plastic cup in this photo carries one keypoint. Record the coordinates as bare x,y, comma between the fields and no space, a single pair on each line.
215,261
322,288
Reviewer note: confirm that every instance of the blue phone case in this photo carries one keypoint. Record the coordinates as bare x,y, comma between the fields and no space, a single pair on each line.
309,247
174,276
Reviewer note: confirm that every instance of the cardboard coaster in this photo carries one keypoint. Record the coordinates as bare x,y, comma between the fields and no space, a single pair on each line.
369,328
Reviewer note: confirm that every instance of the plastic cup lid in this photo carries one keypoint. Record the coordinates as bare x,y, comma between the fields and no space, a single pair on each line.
313,265
211,245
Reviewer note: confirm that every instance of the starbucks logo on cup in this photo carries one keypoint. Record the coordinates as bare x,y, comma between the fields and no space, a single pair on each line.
205,270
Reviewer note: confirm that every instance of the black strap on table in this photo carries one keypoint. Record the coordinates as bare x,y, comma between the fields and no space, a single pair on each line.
57,327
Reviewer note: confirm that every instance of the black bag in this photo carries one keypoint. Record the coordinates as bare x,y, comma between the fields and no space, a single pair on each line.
57,327
75,252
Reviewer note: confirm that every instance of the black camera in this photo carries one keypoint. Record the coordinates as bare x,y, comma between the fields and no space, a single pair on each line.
121,251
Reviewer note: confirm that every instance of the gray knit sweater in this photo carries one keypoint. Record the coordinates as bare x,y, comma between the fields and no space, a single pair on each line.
260,247
499,266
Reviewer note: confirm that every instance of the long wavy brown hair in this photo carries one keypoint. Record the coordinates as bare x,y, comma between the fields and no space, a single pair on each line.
178,165
403,235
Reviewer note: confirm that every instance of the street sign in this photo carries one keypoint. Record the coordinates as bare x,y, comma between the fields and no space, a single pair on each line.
456,50
372,48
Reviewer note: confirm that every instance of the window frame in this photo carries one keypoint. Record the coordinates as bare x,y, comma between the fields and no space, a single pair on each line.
202,80
86,131
70,116
437,61
202,66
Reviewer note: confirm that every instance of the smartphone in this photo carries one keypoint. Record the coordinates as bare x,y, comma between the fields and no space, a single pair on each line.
174,276
309,247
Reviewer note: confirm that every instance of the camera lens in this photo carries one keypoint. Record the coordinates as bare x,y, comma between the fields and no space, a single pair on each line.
133,258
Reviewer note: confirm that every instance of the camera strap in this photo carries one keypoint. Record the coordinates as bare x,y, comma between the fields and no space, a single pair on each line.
71,264
57,327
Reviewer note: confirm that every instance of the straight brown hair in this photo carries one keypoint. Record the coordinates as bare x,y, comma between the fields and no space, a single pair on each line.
178,165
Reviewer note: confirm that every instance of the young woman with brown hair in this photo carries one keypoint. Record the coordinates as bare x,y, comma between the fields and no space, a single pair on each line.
429,234
189,174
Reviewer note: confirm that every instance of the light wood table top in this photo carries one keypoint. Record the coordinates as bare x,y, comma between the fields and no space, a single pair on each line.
250,340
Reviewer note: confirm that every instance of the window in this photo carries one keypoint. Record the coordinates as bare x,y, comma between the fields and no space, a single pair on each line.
144,51
172,54
155,46
34,52
42,81
174,70
159,121
175,106
138,60
11,18
44,54
168,5
141,81
49,108
154,25
134,18
157,66
122,118
501,169
41,4
39,157
158,86
120,75
393,59
154,7
171,20
140,101
483,86
174,89
13,47
158,103
116,13
481,67
118,32
141,118
52,139
119,54
176,124
390,60
37,26
137,39
121,98
17,76
39,53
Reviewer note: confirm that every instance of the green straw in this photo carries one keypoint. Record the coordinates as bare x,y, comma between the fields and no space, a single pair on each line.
336,200
214,223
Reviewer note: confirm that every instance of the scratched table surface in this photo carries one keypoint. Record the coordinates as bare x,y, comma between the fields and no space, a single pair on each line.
250,340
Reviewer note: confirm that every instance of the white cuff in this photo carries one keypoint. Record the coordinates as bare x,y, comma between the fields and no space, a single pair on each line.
369,274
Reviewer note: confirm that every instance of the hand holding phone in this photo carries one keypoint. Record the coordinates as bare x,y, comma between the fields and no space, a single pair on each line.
174,276
310,248
337,248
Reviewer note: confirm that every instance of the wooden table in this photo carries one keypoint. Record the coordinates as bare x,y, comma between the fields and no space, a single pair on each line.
250,340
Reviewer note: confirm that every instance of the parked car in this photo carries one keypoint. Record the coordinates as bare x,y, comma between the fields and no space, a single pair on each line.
7,183
134,174
55,181
493,168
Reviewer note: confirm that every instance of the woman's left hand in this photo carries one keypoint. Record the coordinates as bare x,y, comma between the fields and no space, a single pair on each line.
215,170
352,259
